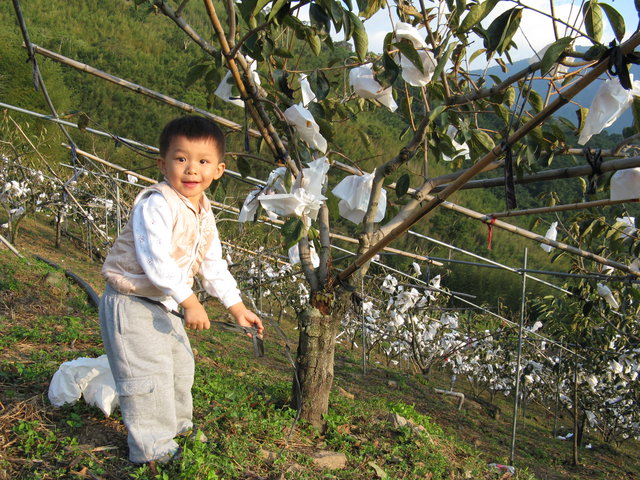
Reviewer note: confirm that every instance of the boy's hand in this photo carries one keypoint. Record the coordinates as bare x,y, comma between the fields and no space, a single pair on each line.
246,318
195,316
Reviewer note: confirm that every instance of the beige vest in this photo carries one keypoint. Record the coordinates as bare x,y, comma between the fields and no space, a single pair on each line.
191,236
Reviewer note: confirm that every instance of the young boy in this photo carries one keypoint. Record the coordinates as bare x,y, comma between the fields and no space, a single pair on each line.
171,236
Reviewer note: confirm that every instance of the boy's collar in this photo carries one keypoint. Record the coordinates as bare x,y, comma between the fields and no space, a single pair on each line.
205,204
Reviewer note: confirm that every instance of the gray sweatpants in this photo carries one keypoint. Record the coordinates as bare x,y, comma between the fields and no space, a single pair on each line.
152,364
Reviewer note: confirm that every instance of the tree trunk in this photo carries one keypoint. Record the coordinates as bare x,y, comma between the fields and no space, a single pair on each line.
314,363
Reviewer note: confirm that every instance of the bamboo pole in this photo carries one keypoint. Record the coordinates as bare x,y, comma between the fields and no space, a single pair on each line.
569,172
10,246
561,208
235,210
112,165
393,230
534,236
83,67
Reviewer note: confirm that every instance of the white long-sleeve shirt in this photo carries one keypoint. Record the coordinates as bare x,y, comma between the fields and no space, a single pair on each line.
152,229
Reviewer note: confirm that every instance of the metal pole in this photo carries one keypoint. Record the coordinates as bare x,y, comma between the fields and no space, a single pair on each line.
519,357
364,335
118,213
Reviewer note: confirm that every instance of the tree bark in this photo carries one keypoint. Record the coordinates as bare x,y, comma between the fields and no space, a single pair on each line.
314,363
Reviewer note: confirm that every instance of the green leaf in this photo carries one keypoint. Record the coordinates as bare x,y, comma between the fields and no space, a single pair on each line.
282,52
592,13
195,73
509,96
483,139
83,121
319,18
277,6
408,50
502,29
314,42
370,7
553,53
402,185
442,61
380,473
244,167
582,113
476,14
635,108
615,19
281,79
319,84
360,39
476,54
292,231
389,72
259,6
535,100
436,112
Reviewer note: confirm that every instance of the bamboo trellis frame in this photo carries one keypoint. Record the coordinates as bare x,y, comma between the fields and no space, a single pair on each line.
432,201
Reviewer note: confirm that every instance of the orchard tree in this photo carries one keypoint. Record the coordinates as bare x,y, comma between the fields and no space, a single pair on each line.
423,75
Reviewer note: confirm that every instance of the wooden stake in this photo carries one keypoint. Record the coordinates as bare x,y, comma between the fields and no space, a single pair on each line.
561,208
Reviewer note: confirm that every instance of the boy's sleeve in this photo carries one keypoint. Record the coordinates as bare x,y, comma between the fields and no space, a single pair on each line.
217,280
152,227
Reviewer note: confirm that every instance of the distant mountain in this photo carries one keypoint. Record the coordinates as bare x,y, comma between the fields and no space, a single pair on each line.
584,98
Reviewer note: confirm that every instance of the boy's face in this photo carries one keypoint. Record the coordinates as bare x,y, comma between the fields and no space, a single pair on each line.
190,166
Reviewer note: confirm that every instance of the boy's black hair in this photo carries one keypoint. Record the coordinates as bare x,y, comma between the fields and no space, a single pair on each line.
193,128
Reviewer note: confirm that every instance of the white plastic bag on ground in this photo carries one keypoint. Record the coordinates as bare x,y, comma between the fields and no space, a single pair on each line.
365,85
304,123
625,184
610,102
90,378
551,234
354,192
410,73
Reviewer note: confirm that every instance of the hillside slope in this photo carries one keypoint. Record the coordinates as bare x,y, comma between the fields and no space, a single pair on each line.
241,403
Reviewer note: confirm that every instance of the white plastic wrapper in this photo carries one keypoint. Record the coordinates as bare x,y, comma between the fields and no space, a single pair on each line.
298,203
610,102
605,292
365,85
551,234
629,226
274,184
90,378
354,192
249,207
306,196
410,72
305,89
224,90
625,184
461,148
294,255
304,123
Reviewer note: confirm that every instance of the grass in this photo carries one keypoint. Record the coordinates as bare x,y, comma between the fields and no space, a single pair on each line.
242,405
